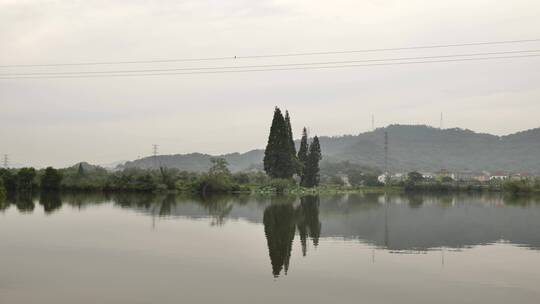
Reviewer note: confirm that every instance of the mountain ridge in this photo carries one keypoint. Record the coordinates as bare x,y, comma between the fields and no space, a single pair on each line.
411,147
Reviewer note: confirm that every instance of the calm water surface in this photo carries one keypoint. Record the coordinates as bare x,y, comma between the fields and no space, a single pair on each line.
341,249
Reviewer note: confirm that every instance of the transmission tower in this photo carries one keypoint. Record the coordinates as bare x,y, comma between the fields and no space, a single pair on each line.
385,152
155,153
6,161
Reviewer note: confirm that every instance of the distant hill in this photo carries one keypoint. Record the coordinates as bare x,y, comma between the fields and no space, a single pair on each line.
410,147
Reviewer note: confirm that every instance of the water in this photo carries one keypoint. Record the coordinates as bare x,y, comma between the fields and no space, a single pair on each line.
343,249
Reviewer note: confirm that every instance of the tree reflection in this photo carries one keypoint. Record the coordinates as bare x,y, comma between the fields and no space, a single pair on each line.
279,228
280,223
308,223
24,202
50,200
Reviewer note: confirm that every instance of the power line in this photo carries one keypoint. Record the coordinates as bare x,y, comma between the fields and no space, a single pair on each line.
269,65
273,55
273,69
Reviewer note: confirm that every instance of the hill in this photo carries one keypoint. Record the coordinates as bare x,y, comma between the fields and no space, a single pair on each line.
410,147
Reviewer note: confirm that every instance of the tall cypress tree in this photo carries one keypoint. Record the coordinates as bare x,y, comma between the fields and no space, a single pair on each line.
289,133
279,160
303,153
292,148
311,171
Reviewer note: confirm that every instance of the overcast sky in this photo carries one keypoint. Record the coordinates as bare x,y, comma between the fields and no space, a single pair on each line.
101,120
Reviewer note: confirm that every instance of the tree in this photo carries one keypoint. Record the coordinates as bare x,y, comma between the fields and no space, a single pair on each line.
289,133
10,180
311,172
25,179
292,147
279,156
218,179
415,177
2,190
219,167
51,179
80,170
303,152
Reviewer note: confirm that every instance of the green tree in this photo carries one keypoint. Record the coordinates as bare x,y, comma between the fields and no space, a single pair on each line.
279,157
311,176
25,179
219,167
2,190
80,170
10,179
51,179
303,152
415,177
145,182
290,133
218,179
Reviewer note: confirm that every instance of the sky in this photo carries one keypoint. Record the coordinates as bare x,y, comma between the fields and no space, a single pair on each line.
61,121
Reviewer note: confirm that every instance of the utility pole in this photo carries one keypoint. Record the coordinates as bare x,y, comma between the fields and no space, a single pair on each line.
372,122
6,161
441,122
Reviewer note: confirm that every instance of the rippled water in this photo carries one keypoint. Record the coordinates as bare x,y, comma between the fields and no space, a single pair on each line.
345,249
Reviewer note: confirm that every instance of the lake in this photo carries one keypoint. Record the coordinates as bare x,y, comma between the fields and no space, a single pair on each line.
372,248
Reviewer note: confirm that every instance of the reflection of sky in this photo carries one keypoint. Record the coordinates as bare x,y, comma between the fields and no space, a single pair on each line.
88,253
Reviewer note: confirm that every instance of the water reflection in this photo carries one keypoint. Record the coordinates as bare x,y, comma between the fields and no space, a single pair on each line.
398,223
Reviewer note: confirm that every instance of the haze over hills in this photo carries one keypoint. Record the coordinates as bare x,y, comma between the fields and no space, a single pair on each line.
411,147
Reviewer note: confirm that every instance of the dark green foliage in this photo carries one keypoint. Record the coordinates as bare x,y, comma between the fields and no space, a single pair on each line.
50,200
2,190
279,156
51,179
517,186
145,182
414,177
80,170
280,220
308,223
130,180
10,179
279,227
446,179
303,152
25,179
217,180
280,185
290,136
167,178
371,180
24,202
310,177
241,178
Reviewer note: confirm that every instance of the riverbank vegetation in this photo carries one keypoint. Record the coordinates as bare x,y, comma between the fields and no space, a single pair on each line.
285,170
